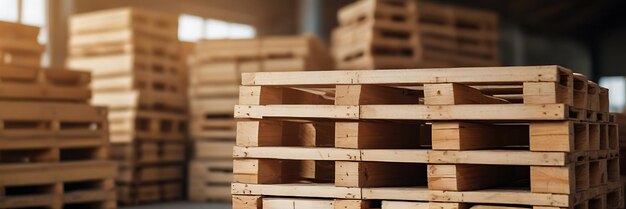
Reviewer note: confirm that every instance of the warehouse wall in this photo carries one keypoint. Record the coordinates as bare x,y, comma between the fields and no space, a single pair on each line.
612,52
519,47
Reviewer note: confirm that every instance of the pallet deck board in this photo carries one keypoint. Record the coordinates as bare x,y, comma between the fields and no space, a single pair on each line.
494,75
487,112
486,157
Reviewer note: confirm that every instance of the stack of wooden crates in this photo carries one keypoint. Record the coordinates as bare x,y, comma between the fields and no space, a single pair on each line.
134,56
53,144
19,46
214,90
482,138
384,34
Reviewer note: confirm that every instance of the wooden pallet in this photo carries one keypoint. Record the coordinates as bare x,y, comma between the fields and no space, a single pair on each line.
464,136
149,193
389,34
126,64
34,132
121,42
378,34
127,125
149,152
154,23
523,93
130,173
209,180
284,53
19,46
87,184
257,202
278,53
20,83
462,37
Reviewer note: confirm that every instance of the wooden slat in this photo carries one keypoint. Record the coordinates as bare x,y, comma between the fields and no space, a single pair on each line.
486,157
408,112
412,76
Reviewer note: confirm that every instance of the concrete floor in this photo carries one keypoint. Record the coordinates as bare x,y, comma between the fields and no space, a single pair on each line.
182,205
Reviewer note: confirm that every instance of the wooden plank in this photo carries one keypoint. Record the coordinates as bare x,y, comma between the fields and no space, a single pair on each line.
297,153
408,112
299,111
465,112
411,76
297,190
496,196
485,157
294,203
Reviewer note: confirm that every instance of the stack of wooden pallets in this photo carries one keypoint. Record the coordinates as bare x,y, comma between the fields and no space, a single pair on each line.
53,144
384,34
214,86
502,137
134,56
19,46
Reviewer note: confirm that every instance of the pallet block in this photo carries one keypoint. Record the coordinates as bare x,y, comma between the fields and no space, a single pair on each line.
88,184
44,84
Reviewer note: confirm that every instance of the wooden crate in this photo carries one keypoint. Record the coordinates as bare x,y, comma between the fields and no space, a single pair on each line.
19,45
209,180
88,184
389,34
20,83
502,135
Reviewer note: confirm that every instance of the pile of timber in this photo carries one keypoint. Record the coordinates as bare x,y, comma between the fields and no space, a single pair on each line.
135,58
215,74
54,146
387,34
502,137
